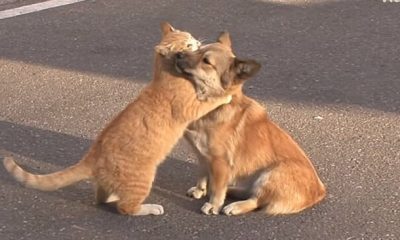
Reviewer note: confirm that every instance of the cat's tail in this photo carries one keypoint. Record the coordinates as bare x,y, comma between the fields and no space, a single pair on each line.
48,182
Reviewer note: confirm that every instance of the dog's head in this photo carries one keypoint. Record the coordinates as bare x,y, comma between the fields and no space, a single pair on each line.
216,64
174,41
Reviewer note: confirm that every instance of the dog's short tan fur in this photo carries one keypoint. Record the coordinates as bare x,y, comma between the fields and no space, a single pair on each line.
124,158
238,145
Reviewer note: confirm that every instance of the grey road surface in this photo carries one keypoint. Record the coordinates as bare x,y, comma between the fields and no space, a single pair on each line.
330,77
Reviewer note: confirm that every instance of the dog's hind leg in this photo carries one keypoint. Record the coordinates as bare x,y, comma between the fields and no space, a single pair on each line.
239,193
240,207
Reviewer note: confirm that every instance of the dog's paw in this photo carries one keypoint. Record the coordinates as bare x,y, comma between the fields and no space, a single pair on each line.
209,209
231,209
196,193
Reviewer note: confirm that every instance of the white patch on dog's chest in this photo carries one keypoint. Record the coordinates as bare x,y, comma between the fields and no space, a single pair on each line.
200,140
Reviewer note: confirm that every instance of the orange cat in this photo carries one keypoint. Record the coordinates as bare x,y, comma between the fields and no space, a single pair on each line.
123,159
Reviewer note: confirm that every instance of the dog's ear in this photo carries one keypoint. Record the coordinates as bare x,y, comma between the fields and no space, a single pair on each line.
239,71
227,78
225,39
245,69
166,28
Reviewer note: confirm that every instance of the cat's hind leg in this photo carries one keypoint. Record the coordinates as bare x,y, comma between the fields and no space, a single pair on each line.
150,209
131,207
101,195
132,195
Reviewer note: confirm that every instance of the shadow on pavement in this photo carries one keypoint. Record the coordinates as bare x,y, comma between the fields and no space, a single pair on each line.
342,52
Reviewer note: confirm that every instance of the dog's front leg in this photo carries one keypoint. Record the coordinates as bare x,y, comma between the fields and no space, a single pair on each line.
200,190
219,180
198,141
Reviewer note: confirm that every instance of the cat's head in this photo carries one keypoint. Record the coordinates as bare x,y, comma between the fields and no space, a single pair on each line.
174,41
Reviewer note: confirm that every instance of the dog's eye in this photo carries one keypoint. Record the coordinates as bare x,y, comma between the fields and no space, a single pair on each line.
206,61
189,45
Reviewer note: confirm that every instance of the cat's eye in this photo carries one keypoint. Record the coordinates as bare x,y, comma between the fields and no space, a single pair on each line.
206,61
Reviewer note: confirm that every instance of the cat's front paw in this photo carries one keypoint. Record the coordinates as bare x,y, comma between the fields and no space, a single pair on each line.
210,209
228,99
201,93
196,193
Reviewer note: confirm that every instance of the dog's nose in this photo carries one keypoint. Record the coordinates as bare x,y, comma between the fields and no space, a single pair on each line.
179,55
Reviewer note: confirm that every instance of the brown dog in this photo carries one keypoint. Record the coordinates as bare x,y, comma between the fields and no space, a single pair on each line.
239,145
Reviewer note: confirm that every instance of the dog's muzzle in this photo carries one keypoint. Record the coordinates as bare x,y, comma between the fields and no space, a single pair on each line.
181,64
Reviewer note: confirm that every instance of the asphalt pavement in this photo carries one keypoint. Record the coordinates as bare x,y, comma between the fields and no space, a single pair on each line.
330,76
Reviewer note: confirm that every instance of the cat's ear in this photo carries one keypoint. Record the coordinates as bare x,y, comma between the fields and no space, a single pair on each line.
162,50
225,39
166,28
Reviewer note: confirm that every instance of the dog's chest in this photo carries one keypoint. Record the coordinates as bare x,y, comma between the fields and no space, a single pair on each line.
200,140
